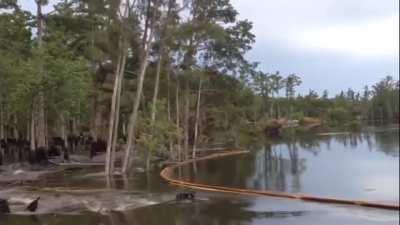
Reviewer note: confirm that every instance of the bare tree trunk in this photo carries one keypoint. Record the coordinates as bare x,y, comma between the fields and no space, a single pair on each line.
114,115
28,130
135,111
147,43
154,105
146,25
196,127
2,120
46,129
119,90
169,112
188,61
108,163
156,89
15,127
187,118
168,95
63,134
63,130
41,126
33,135
114,142
159,65
178,136
74,127
116,99
1,131
124,126
40,117
117,116
157,82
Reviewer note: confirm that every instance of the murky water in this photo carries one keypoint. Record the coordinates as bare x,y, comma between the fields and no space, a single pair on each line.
362,166
355,166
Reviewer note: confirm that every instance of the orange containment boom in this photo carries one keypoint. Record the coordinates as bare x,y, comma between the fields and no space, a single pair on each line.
168,174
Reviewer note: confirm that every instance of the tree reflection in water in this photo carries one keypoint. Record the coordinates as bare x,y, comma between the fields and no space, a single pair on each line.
310,164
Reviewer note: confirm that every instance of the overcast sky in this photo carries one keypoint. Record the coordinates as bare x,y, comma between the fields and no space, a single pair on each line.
331,44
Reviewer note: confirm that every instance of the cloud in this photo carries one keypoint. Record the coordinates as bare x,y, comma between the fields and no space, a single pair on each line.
285,20
375,38
360,11
331,44
322,70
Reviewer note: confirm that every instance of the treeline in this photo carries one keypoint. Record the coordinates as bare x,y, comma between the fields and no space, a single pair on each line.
148,78
376,104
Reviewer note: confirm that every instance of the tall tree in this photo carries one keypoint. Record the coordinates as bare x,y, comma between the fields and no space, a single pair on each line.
147,37
291,82
39,121
115,101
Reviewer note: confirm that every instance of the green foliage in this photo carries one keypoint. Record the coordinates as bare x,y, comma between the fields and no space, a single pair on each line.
385,100
26,70
338,115
63,80
75,69
291,82
155,136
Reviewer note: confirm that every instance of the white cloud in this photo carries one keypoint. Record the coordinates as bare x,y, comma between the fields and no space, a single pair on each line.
352,27
376,38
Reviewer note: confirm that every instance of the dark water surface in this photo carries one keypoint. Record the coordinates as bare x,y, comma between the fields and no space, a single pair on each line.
363,166
356,166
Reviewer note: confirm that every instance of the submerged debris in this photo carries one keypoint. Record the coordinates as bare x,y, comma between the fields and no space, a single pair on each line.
4,207
33,205
185,196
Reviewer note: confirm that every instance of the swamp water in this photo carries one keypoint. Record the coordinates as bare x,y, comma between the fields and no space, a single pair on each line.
354,166
362,166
